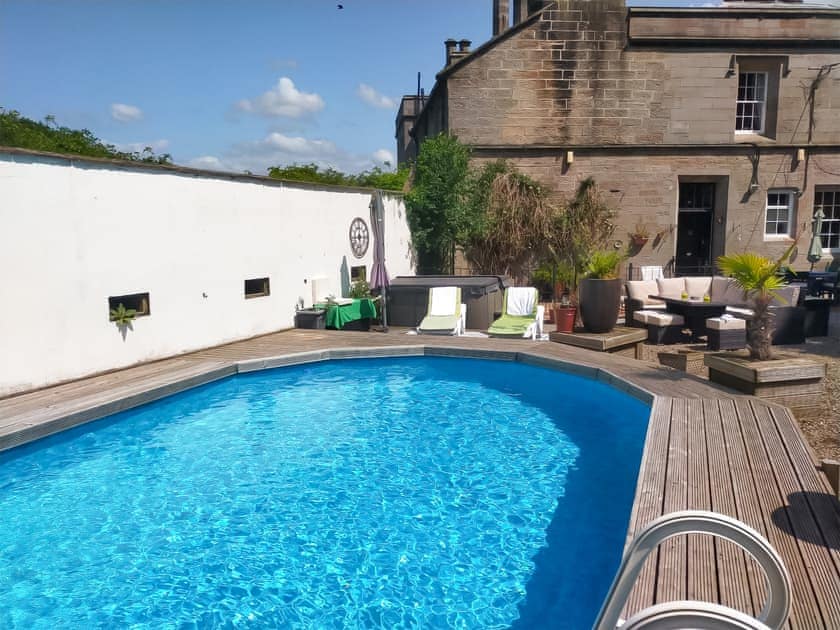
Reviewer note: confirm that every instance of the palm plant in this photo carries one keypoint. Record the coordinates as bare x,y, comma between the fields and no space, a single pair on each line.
604,264
759,278
122,316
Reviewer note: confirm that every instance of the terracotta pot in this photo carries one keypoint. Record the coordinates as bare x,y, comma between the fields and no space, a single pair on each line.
564,316
639,241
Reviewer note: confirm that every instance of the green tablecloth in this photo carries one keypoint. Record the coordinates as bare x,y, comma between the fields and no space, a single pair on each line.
337,316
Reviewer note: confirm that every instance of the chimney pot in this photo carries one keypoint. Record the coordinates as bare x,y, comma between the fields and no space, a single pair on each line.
464,46
450,45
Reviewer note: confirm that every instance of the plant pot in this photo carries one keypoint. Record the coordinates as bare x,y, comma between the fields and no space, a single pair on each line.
564,316
639,241
795,382
599,303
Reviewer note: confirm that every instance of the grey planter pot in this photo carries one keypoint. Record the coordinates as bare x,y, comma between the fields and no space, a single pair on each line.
599,304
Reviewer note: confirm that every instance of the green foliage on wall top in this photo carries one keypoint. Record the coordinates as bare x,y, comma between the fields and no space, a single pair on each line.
25,133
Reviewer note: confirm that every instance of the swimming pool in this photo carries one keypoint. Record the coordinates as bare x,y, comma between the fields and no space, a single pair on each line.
413,492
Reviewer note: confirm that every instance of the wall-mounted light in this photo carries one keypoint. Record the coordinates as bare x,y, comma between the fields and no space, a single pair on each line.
570,157
800,155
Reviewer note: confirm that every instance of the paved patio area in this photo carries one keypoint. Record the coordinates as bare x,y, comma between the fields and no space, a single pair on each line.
707,448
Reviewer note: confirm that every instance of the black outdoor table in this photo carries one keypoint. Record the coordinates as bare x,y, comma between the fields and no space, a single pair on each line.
695,312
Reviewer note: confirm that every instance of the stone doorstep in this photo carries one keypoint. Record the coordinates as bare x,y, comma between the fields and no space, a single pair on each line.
783,369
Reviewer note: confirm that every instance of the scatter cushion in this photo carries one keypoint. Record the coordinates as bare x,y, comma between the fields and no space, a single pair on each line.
699,286
727,291
725,323
720,285
641,289
671,287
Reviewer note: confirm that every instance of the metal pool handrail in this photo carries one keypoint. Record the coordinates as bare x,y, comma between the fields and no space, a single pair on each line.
776,608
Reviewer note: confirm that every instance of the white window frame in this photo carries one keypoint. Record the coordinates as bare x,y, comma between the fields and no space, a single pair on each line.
789,206
762,101
828,219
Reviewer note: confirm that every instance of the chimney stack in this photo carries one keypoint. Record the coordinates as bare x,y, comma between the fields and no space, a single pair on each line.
520,11
501,10
450,50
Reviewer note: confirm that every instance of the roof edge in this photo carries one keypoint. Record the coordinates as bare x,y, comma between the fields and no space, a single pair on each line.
493,41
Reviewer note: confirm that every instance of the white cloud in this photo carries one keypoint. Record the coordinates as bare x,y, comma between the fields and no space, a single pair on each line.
208,162
278,149
370,96
125,113
138,147
383,155
284,100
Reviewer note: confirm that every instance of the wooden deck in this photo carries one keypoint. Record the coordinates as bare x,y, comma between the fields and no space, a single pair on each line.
707,448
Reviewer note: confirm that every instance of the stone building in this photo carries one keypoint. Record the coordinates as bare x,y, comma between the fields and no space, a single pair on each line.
714,130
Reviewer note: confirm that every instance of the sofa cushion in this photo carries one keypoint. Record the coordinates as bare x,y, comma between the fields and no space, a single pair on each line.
789,296
671,287
727,291
727,322
740,312
641,289
698,286
664,319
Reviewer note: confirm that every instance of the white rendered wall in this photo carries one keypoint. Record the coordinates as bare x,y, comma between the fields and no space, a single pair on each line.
74,233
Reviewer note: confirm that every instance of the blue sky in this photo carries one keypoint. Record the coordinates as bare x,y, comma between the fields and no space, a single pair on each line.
235,85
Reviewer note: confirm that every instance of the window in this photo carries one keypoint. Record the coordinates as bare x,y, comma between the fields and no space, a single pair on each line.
751,104
828,200
256,287
779,218
138,302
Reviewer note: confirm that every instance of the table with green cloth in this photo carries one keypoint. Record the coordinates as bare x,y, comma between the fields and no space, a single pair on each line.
340,314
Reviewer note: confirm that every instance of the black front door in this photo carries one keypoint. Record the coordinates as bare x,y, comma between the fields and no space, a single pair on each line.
694,229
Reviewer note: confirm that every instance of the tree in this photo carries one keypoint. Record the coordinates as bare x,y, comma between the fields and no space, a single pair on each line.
22,132
583,227
372,178
438,213
759,277
514,221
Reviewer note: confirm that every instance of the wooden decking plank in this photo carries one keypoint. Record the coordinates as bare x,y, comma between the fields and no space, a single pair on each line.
702,582
804,611
93,405
730,564
804,526
672,582
650,493
817,490
738,492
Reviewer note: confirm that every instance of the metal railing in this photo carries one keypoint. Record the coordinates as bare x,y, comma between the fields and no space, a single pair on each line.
693,614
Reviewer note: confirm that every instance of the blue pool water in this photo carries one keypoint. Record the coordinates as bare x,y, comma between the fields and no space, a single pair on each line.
416,492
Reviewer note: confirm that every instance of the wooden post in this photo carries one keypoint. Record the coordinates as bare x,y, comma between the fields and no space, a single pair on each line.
831,468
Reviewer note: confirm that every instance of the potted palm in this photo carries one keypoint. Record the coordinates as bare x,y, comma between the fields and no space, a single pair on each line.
760,279
600,292
790,381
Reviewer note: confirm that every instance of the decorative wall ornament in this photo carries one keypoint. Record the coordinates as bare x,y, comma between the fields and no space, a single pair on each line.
359,237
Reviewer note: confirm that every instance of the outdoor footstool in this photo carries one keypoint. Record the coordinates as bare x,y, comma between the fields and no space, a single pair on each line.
726,333
662,327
